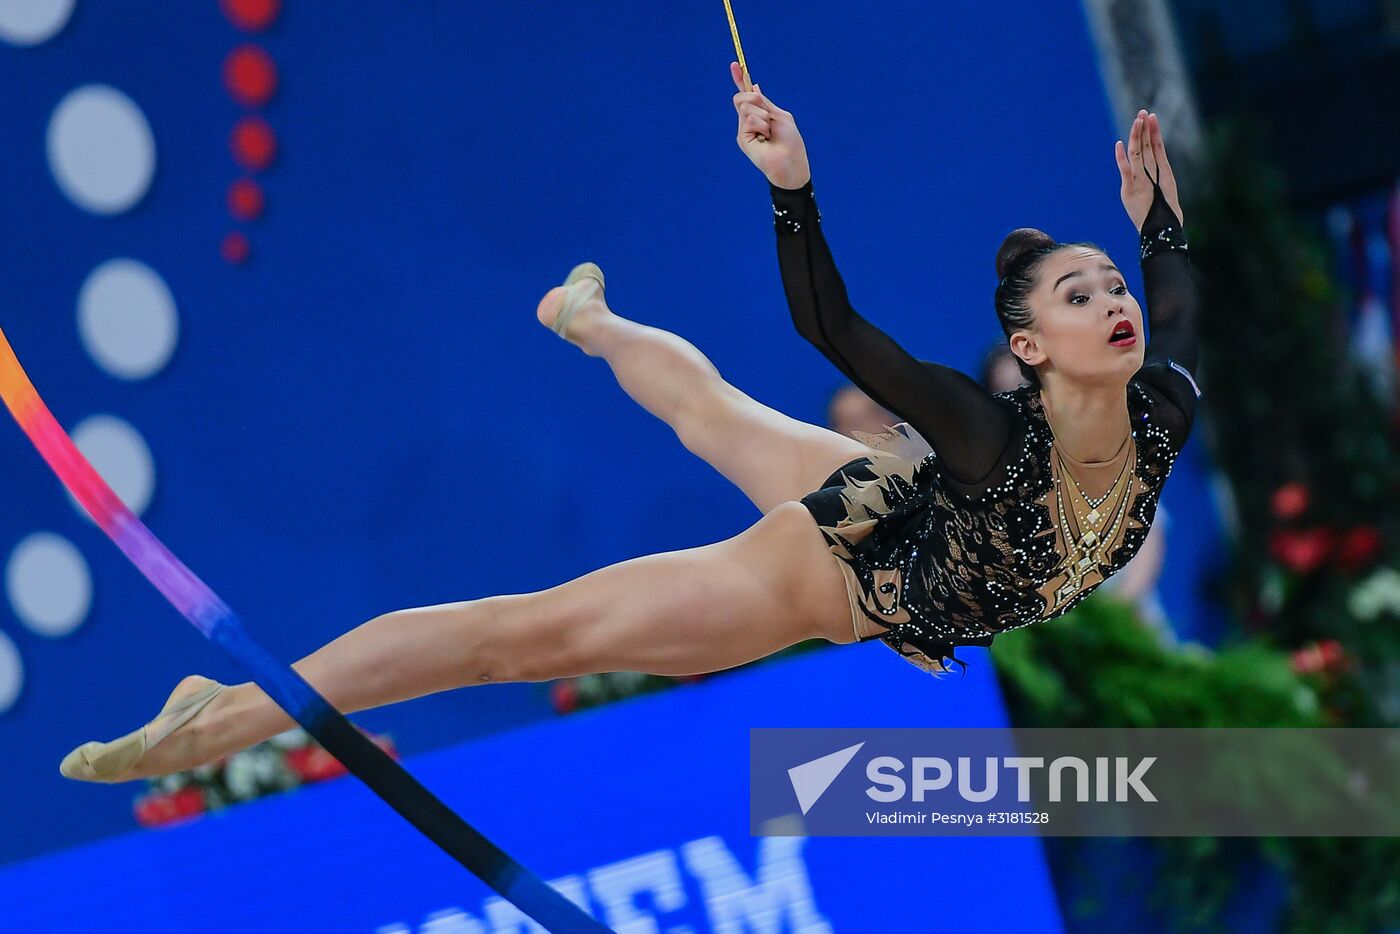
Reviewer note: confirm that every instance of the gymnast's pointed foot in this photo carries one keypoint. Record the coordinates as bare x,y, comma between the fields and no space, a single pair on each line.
167,744
573,309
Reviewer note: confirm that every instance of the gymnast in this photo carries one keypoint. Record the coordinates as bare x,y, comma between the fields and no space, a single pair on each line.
978,514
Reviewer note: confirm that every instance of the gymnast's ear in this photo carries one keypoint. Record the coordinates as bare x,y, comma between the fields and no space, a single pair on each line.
1024,346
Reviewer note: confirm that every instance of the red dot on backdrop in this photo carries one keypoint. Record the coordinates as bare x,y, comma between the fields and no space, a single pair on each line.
253,143
245,199
250,15
235,248
250,76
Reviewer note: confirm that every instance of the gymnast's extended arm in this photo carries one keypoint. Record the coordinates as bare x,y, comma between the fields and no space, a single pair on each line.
959,418
1172,297
962,421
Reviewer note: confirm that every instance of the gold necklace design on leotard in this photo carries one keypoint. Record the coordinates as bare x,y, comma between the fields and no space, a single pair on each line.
1093,504
1087,545
1087,539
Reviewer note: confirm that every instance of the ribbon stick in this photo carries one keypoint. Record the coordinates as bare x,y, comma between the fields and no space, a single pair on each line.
738,49
212,617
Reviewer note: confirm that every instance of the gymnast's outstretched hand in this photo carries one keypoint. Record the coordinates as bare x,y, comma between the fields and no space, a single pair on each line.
1143,159
768,136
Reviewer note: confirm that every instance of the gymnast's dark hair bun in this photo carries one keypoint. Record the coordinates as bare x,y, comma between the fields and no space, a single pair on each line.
1018,264
1017,244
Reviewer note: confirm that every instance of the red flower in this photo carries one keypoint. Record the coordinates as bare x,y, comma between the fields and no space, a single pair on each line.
1315,657
564,695
1290,501
314,764
1333,658
1307,660
157,809
1360,546
152,810
1301,551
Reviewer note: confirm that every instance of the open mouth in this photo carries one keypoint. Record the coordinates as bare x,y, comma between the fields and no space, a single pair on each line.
1123,335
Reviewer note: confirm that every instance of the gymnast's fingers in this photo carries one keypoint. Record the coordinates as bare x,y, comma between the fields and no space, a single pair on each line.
755,124
1125,168
1149,151
1159,145
750,107
1135,142
737,73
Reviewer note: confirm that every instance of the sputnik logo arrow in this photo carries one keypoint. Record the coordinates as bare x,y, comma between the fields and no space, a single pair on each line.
810,780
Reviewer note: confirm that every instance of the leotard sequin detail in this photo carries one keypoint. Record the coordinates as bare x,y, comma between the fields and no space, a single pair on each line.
933,561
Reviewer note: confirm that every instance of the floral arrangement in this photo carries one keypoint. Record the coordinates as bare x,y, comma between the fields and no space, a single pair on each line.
568,695
1310,448
288,760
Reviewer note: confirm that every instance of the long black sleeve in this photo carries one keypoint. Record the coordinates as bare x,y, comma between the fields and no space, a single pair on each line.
1173,316
966,426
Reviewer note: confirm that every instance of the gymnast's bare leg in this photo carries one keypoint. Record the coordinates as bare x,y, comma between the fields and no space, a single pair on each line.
771,457
683,612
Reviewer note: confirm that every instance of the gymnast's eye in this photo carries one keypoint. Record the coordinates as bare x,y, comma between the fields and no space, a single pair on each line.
1119,289
1074,299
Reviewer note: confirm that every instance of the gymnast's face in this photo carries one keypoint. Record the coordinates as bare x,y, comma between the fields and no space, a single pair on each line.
1081,309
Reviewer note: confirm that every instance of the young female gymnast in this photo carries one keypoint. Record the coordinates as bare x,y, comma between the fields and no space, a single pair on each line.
1024,503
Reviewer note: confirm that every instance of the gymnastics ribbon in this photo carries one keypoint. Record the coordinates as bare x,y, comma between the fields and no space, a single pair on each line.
211,616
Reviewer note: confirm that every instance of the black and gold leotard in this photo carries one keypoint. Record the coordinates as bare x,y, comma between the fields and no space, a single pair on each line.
950,531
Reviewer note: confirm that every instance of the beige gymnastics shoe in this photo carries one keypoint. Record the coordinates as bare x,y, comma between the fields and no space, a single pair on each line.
575,298
114,761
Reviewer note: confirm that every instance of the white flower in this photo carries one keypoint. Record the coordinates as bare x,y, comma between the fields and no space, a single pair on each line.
269,767
1375,595
241,777
294,738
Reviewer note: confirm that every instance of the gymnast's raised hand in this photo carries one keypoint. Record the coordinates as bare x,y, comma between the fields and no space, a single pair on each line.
1140,162
768,136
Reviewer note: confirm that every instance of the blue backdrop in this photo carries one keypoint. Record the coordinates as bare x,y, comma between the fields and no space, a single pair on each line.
366,415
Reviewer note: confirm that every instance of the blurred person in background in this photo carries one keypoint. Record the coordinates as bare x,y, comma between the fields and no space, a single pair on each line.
850,411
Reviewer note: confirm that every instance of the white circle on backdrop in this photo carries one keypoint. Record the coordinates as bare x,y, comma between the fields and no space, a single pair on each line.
101,150
30,22
49,584
11,673
120,455
127,319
